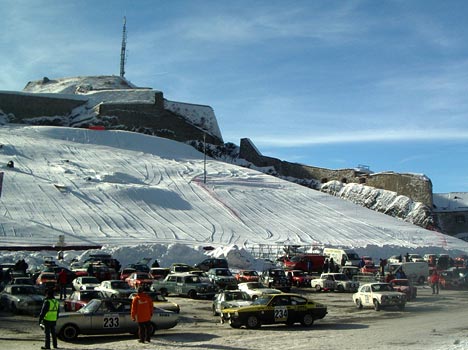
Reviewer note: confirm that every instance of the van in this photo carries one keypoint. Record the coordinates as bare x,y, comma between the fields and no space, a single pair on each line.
349,256
416,272
211,263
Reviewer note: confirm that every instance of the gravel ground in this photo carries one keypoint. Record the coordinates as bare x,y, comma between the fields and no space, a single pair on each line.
429,322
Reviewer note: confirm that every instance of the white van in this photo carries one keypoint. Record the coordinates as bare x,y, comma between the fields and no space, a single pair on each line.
349,255
416,272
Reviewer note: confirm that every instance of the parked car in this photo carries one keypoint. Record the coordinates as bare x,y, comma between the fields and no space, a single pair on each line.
46,280
180,267
22,280
20,298
126,272
342,282
454,278
378,296
115,289
85,283
222,278
184,284
247,276
108,316
256,289
161,302
276,278
405,286
305,262
158,273
273,309
211,263
298,278
323,283
229,299
139,279
80,298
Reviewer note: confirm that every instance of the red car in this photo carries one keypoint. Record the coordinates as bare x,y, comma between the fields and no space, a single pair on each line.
404,286
47,280
78,299
247,276
305,262
138,279
371,268
299,278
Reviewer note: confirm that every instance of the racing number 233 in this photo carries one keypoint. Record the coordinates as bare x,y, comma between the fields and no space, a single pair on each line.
281,313
111,321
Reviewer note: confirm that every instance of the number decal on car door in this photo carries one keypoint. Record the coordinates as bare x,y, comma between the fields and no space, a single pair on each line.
111,321
281,313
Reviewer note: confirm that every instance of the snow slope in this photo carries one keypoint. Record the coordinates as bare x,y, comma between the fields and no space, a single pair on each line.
120,188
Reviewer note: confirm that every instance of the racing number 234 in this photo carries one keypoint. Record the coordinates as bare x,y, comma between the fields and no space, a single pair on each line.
281,313
111,321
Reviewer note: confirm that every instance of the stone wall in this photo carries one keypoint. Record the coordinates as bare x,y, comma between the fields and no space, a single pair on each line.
453,222
416,187
25,106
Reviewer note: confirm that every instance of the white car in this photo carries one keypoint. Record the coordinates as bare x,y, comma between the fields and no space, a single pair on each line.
342,282
115,289
378,295
324,282
85,283
256,289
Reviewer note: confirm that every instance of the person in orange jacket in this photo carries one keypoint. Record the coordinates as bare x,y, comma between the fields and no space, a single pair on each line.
141,312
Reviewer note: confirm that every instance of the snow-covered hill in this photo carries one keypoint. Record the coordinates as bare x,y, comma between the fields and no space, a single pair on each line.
120,188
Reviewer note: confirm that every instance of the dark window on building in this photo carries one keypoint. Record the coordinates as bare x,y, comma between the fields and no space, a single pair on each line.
362,180
460,219
344,180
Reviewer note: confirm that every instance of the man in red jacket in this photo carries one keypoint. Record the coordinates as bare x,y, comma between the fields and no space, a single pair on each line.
141,312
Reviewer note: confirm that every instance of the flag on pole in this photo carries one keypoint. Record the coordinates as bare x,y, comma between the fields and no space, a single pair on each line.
1,182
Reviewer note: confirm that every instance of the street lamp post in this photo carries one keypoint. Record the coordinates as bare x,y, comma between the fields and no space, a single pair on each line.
204,157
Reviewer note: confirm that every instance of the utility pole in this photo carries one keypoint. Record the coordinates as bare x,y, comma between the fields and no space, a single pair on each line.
123,54
204,157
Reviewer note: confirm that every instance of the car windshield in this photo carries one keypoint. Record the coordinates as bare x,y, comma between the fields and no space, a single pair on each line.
237,296
263,300
341,277
119,285
91,307
23,290
382,287
88,295
250,273
353,256
222,272
255,285
89,279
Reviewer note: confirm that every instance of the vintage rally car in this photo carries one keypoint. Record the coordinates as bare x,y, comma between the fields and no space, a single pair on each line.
276,278
284,308
342,282
247,276
378,295
222,278
228,299
186,284
299,278
256,289
21,298
85,283
323,283
115,289
108,316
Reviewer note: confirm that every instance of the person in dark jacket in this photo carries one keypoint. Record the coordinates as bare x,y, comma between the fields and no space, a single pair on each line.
48,318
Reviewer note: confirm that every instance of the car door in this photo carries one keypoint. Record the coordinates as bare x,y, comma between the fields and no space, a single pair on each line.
366,296
277,310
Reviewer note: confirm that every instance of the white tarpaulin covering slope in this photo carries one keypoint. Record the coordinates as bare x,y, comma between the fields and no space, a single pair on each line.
122,188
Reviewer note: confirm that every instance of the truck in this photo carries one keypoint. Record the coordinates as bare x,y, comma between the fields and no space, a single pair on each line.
348,256
185,284
416,272
305,262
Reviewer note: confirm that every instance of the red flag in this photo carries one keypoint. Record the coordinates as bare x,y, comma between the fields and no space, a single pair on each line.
1,182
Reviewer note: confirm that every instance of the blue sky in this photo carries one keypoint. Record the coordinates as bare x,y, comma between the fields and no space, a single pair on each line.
326,83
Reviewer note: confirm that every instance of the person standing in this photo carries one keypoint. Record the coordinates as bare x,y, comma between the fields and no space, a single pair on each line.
62,282
435,279
141,312
48,318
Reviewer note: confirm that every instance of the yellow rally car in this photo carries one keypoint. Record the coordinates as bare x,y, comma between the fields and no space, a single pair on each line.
285,308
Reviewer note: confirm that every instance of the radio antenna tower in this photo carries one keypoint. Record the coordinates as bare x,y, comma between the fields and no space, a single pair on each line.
123,54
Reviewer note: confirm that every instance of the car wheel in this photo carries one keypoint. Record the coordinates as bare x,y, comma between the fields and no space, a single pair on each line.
253,322
307,320
215,313
164,292
68,332
152,329
359,304
376,305
254,297
318,287
340,288
192,294
13,308
235,324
